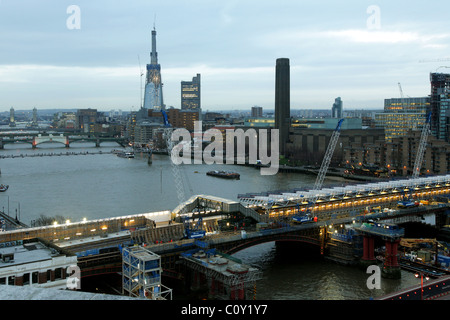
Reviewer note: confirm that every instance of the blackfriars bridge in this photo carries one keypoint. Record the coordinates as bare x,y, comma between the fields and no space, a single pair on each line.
344,230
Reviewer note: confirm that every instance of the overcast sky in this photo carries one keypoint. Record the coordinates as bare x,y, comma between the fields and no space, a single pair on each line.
358,50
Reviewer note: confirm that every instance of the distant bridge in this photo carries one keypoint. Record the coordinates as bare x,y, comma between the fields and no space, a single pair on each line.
65,139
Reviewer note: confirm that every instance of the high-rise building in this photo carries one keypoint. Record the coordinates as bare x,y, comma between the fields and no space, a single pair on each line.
282,101
34,122
401,115
153,97
257,112
12,121
190,94
439,104
336,110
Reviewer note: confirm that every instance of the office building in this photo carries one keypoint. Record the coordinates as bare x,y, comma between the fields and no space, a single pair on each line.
401,115
440,104
336,110
153,96
282,102
190,94
86,119
257,112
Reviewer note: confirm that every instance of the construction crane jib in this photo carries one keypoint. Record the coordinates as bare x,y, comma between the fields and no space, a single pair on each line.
328,155
422,147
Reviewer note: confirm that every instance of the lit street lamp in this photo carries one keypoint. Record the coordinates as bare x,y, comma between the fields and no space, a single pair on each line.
421,283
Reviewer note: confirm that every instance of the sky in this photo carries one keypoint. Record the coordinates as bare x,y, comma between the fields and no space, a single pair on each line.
54,57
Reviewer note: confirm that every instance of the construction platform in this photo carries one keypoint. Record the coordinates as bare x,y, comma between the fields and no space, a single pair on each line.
223,276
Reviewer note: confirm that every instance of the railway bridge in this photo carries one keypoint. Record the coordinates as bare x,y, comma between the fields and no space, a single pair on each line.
235,225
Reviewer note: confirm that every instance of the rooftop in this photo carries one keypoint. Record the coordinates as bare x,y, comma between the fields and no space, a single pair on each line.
17,253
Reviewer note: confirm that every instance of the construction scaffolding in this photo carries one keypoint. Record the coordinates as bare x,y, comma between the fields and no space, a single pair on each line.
141,274
223,276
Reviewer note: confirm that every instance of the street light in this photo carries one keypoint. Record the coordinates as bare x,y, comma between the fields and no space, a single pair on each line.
421,282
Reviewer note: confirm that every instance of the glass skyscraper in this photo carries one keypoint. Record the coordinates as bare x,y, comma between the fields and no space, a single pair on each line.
440,104
153,97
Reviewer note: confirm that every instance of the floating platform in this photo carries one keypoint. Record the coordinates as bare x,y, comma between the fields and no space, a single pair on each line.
224,174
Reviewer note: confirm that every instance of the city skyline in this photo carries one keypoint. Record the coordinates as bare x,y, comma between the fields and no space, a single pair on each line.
358,51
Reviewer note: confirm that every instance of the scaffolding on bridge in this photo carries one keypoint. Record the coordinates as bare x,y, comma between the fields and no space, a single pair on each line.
141,274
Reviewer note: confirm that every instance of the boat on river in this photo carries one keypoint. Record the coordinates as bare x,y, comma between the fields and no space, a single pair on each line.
224,174
125,154
3,187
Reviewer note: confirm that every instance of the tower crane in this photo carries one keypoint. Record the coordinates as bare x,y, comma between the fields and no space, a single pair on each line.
422,147
321,175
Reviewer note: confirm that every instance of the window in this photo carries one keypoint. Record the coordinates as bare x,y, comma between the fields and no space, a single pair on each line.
35,277
26,279
58,274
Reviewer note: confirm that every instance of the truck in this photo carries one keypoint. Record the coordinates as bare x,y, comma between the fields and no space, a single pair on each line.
303,218
407,204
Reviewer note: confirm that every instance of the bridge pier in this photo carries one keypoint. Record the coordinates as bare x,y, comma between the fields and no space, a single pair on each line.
368,257
391,268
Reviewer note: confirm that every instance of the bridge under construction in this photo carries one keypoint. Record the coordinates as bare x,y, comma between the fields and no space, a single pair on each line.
98,243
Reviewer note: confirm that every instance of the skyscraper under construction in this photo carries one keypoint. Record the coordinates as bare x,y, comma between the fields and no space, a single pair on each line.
440,104
153,97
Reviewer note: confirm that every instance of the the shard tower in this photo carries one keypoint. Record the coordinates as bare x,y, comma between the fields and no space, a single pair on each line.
153,98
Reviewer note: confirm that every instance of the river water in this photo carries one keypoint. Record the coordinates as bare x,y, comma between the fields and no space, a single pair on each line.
95,186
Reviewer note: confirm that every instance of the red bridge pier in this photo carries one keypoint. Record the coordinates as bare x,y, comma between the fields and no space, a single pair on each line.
391,268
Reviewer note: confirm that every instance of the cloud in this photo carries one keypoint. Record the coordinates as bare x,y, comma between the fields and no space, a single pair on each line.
359,36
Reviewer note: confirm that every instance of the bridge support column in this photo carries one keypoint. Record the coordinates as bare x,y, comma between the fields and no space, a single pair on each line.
391,268
237,293
368,257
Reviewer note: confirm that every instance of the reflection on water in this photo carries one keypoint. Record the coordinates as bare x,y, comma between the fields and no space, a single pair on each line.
291,273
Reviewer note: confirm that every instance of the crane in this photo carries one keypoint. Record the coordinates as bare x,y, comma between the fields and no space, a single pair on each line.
196,231
422,146
321,175
175,169
328,155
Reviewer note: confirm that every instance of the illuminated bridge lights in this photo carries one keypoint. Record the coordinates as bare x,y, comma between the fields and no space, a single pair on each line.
352,196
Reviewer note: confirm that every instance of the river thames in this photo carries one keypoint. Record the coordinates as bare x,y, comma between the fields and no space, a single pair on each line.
95,186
